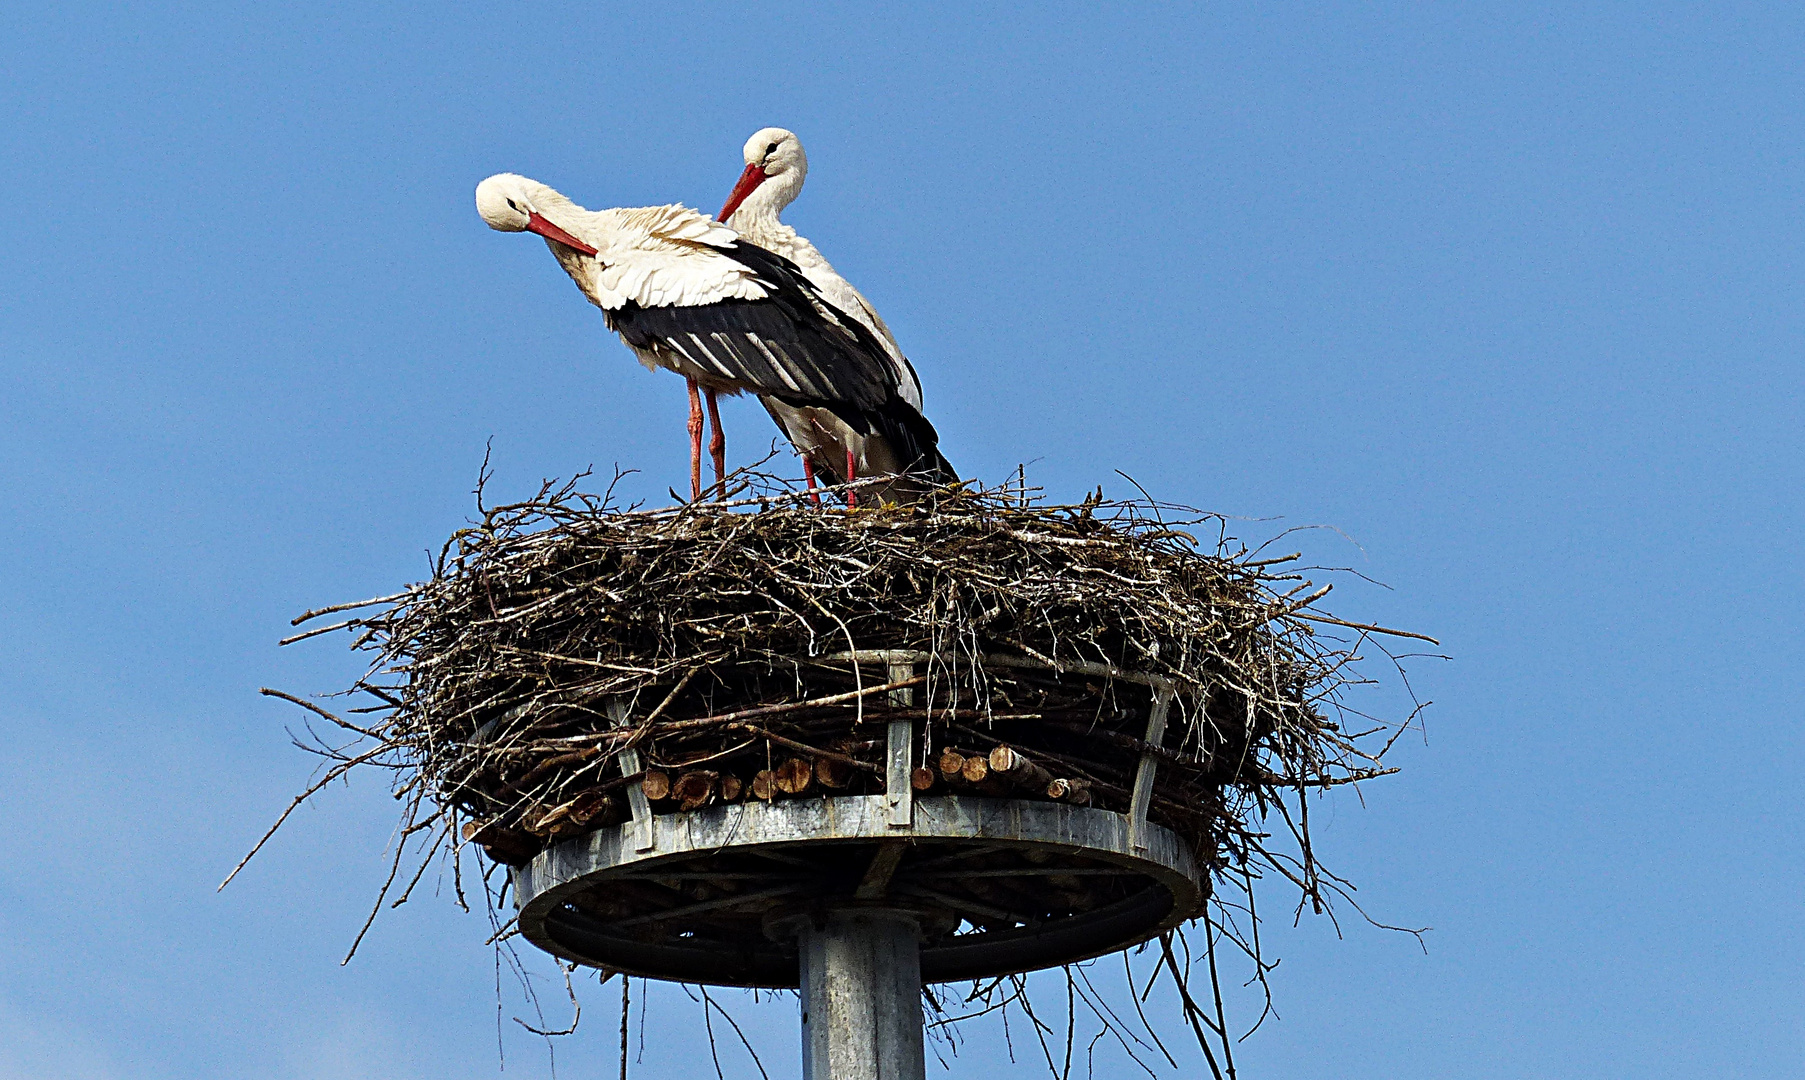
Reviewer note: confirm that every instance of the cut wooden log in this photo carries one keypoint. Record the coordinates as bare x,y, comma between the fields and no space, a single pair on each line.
924,779
552,823
794,777
588,806
732,787
695,789
952,763
1014,766
595,808
764,785
834,775
1076,792
977,777
541,820
513,847
657,784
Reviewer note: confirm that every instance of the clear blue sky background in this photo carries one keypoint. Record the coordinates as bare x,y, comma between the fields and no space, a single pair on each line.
1510,296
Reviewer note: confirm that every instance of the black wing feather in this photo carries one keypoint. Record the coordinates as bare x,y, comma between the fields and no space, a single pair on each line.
831,359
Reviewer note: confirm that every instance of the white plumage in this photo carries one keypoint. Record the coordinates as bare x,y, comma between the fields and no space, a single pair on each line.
654,256
776,167
686,293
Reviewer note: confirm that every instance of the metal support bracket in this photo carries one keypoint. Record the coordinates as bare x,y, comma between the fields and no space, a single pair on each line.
643,836
899,791
1142,796
876,881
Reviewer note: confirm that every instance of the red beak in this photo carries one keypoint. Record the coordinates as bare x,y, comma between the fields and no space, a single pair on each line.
544,228
749,181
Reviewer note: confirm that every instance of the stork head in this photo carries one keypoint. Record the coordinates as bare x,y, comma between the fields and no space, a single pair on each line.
513,203
775,169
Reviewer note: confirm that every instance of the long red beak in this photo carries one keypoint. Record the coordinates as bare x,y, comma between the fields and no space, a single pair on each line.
544,228
749,181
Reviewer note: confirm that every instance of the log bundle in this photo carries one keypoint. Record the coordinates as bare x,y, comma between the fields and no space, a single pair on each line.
1003,771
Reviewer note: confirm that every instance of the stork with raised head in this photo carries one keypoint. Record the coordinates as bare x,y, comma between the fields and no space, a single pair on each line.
686,293
776,167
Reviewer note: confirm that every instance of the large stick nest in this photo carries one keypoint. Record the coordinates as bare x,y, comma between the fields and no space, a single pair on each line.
730,645
566,650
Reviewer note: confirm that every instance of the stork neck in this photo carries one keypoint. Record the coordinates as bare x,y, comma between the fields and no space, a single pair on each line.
761,209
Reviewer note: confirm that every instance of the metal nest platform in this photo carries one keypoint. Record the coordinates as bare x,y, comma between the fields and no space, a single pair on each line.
992,886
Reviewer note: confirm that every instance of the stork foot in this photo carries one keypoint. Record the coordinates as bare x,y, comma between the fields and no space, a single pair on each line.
852,473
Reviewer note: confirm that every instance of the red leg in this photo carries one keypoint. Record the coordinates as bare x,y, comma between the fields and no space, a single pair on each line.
808,473
852,473
717,446
695,442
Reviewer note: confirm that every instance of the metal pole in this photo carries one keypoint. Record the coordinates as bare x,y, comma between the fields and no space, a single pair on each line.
861,995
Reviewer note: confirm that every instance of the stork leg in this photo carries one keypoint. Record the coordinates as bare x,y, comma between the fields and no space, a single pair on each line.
852,473
695,443
717,447
808,473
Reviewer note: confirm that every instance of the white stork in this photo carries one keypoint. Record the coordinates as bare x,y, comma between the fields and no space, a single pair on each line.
685,293
776,167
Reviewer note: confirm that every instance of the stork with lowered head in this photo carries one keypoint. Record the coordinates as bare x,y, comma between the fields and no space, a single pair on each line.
686,293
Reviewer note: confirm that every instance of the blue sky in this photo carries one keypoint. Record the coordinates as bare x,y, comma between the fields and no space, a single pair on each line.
1509,296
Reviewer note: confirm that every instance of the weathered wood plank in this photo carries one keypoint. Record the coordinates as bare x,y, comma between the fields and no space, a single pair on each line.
1142,796
899,764
641,825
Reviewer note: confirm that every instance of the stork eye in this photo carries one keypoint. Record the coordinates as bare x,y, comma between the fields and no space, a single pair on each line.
512,205
772,149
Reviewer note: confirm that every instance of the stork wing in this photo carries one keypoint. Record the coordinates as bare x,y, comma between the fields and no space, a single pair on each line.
783,340
842,296
665,256
908,384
